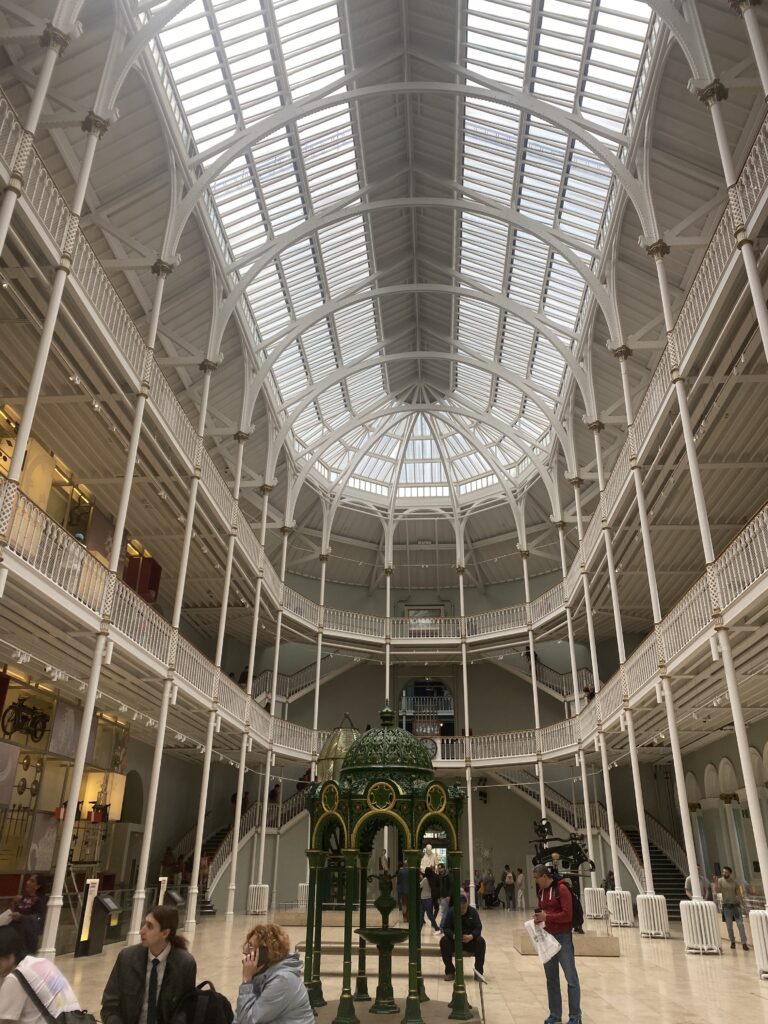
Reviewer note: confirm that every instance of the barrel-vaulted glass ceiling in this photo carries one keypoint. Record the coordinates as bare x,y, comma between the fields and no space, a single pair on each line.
231,63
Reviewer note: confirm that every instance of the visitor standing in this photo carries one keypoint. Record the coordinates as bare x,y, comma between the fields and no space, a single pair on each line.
427,909
609,882
508,889
520,889
705,887
22,974
555,912
731,893
148,979
402,889
444,883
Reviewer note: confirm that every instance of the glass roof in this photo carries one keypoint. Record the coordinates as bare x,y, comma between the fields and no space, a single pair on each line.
227,64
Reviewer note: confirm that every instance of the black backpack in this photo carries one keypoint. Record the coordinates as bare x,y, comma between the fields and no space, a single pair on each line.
203,1005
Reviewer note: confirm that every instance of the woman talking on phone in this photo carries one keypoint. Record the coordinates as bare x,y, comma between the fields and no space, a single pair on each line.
272,989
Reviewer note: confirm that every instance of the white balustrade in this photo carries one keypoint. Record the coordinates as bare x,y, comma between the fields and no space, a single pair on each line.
452,748
642,665
10,133
558,736
500,620
216,486
231,698
168,406
339,620
687,619
610,699
195,669
300,606
547,604
47,547
655,394
133,617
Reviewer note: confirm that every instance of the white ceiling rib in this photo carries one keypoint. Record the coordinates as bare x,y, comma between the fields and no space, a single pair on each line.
232,62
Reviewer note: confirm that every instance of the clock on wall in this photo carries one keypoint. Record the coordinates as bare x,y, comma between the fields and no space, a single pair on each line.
430,746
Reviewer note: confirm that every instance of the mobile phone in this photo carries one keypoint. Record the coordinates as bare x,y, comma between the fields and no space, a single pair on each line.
263,957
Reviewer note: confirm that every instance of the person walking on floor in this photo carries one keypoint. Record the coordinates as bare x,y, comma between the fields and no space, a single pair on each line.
730,890
507,891
426,907
148,979
555,912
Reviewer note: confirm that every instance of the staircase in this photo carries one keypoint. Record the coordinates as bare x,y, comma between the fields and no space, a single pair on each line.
210,848
668,880
561,812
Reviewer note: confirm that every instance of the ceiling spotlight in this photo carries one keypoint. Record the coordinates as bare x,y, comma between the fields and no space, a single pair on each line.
95,406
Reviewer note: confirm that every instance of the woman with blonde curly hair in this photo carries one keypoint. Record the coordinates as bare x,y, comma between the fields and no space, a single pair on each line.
272,989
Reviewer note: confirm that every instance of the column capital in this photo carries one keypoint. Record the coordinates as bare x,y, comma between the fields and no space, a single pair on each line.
241,436
693,807
575,481
730,798
742,5
460,570
54,39
207,366
524,553
286,530
559,524
658,249
323,556
622,352
93,124
161,267
596,426
712,93
388,570
265,488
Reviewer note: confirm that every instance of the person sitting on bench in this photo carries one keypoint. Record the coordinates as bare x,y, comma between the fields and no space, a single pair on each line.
473,943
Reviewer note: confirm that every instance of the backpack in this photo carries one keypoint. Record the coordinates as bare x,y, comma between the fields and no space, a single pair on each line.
577,909
509,878
203,1005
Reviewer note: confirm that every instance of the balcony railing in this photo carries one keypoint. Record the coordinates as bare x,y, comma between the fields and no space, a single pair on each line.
44,547
47,548
41,194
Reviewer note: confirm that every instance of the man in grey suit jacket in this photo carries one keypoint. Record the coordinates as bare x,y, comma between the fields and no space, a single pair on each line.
148,980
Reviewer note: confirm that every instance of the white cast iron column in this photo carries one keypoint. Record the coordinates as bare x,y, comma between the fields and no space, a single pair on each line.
467,740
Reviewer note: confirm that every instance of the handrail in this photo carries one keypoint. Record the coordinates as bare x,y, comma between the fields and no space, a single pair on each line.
667,843
278,816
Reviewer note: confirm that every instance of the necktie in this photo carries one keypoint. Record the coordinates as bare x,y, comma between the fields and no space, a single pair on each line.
152,994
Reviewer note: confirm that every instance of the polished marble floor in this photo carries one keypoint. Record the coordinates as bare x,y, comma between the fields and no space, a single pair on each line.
653,982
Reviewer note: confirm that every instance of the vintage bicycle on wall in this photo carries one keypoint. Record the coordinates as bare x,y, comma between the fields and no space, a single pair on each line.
26,719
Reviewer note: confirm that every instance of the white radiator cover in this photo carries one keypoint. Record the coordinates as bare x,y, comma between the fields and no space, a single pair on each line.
701,926
302,895
758,925
620,908
595,903
258,899
652,916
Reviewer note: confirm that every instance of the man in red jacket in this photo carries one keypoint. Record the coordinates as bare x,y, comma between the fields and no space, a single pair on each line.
556,914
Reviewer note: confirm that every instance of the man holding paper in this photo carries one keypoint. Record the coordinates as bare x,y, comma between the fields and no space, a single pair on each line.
555,915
